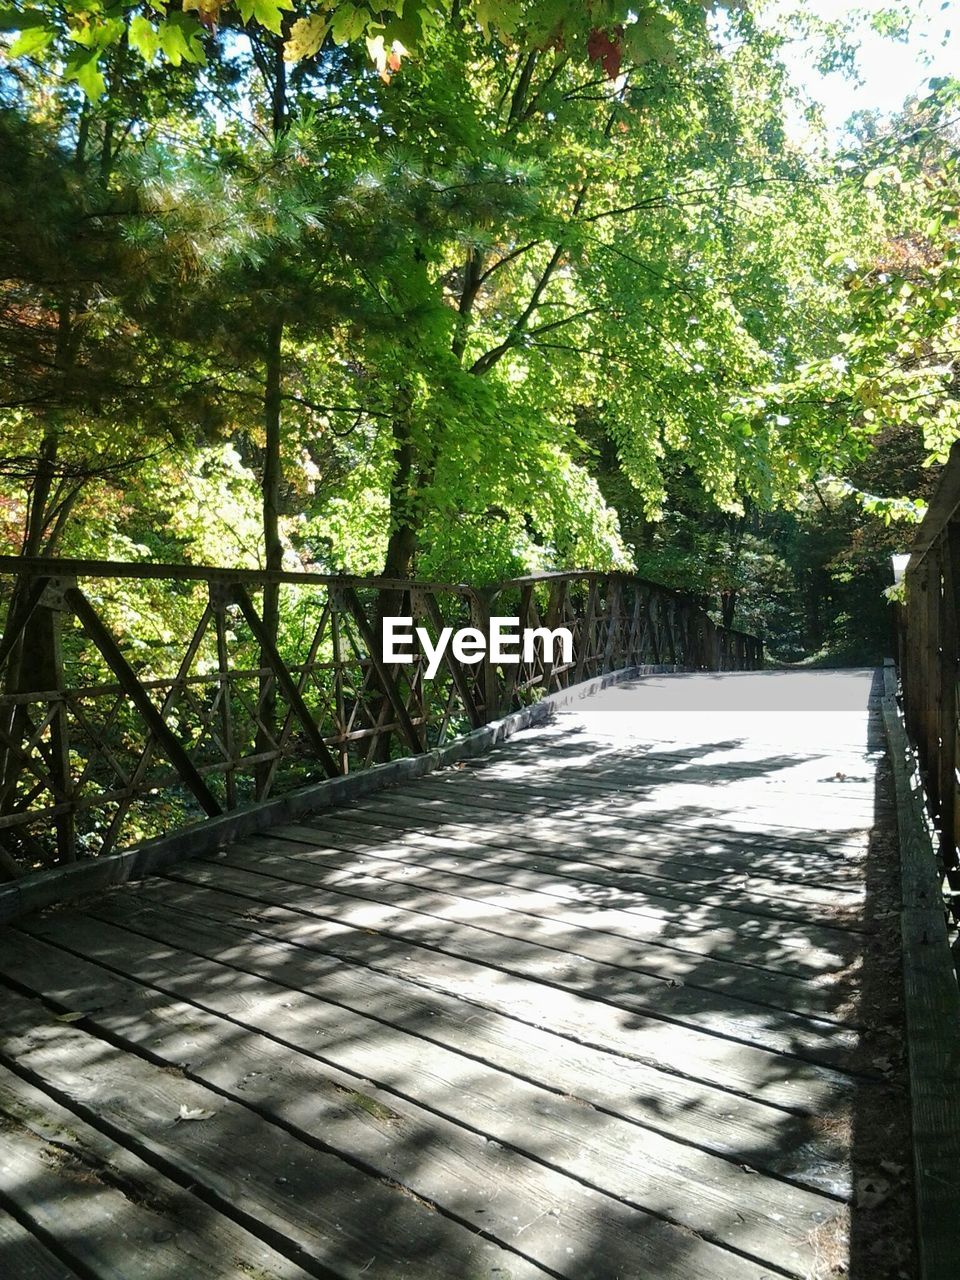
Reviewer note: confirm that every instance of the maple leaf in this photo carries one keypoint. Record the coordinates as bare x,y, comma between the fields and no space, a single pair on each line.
606,48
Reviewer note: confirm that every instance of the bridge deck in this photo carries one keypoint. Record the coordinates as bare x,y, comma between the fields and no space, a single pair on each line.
588,1007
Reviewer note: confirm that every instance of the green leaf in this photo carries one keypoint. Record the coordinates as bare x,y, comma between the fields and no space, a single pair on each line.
181,39
83,66
269,13
145,38
34,40
349,23
500,15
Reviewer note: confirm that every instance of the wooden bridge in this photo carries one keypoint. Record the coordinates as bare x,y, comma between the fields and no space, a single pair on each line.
586,975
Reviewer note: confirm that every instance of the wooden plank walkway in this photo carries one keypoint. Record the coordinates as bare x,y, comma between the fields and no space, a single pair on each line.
587,1007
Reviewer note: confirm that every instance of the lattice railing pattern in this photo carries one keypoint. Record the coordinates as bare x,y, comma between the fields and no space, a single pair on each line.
107,739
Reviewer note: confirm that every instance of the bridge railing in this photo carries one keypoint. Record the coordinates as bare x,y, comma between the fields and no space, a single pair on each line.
136,699
927,656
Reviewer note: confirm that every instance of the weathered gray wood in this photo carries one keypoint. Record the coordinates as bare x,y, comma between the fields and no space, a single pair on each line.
663,990
638,775
667,847
932,1007
577,924
794,947
453,1167
585,1016
763,811
470,988
435,1158
624,875
105,1209
723,906
22,1255
627,888
942,508
727,1124
547,867
320,1208
617,830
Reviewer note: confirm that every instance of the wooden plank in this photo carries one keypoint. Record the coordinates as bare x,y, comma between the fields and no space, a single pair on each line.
577,925
94,875
104,1209
624,871
619,827
663,847
629,877
727,1124
463,1171
310,1204
943,505
693,797
514,834
622,874
664,990
577,794
932,1009
848,822
691,758
21,1253
600,761
795,1083
615,787
669,900
518,1195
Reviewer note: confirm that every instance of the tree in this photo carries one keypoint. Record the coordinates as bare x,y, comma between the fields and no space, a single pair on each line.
82,33
555,235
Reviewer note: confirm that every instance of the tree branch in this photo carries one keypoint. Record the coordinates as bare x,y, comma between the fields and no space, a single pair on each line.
509,257
486,362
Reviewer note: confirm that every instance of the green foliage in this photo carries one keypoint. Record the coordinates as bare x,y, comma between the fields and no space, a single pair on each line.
82,33
562,293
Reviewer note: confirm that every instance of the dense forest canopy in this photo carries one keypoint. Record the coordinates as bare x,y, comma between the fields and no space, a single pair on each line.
462,290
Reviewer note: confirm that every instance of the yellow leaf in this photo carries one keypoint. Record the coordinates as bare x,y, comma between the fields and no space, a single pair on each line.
378,52
306,37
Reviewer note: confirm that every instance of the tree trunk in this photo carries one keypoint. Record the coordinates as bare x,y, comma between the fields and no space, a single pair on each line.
814,600
273,547
400,558
402,542
272,476
401,551
728,608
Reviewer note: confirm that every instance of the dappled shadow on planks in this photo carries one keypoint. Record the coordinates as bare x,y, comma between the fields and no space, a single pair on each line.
603,1031
316,1105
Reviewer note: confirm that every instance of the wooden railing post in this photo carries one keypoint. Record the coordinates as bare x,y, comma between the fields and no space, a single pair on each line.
489,681
219,600
44,636
929,738
947,702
